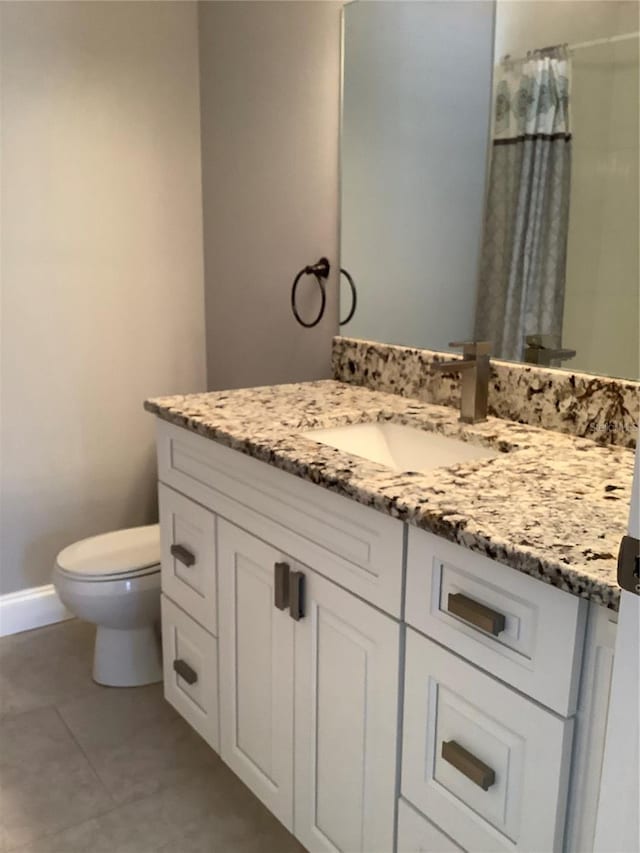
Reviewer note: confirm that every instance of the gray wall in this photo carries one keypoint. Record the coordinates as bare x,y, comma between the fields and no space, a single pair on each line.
415,133
270,113
102,273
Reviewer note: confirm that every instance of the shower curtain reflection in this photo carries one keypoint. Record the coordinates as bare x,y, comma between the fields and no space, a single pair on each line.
522,274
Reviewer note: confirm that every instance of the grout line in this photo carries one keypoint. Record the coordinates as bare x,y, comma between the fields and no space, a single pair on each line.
88,760
27,845
94,817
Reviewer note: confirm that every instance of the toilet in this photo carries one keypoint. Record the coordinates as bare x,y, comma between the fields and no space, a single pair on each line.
113,580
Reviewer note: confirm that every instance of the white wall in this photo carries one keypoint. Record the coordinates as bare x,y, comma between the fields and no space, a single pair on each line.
523,25
102,280
270,84
602,303
417,95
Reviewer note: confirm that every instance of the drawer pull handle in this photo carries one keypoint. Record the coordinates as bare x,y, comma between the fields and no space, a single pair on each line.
470,766
184,671
183,555
475,613
281,586
296,595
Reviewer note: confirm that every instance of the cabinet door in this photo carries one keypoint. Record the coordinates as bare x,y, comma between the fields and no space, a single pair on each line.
346,700
256,670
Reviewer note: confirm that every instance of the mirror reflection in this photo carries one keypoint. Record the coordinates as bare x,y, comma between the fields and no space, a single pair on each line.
490,178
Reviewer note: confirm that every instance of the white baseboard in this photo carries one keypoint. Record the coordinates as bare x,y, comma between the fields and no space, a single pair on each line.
31,608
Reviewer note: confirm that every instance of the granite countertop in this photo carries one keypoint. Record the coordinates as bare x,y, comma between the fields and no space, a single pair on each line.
550,505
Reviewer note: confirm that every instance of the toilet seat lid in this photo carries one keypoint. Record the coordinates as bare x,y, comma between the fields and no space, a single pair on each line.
121,552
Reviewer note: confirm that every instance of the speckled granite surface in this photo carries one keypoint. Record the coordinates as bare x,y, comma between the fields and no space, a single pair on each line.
597,407
551,505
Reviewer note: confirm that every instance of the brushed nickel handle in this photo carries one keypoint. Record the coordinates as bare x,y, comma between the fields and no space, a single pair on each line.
281,586
184,671
296,595
467,764
183,555
475,613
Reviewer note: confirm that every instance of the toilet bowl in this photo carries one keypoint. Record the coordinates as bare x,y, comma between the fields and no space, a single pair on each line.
113,580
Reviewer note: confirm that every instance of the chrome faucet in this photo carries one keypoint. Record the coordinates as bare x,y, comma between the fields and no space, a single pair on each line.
474,375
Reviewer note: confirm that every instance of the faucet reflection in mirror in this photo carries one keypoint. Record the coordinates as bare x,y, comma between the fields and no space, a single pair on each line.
522,275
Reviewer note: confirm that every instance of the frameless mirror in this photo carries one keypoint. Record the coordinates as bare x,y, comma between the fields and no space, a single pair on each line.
489,161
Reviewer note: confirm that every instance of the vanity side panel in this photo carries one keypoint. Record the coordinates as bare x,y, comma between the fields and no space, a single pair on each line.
591,727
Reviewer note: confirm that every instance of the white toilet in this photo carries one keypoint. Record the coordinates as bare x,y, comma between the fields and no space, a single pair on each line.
113,580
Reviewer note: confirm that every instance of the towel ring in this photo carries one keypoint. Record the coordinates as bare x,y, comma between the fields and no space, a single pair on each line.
354,296
320,271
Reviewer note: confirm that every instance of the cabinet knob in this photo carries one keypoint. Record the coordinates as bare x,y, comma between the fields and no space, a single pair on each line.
476,614
281,586
296,595
467,764
183,555
184,671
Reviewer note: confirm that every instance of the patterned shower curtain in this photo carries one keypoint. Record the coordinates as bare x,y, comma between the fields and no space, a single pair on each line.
522,273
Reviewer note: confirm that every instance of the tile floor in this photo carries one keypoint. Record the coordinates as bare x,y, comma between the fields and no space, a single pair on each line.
90,769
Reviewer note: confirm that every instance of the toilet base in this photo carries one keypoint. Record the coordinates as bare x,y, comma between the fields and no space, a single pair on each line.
127,658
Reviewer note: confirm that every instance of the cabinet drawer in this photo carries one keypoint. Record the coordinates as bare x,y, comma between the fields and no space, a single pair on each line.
190,657
416,834
188,546
354,545
519,629
486,764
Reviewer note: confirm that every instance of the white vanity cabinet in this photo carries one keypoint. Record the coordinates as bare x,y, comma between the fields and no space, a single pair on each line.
380,689
307,673
505,702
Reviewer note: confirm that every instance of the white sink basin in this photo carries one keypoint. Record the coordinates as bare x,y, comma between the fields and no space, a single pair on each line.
399,447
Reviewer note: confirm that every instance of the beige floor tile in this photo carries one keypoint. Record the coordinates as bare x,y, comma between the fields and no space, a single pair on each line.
47,666
232,820
135,741
211,812
86,837
46,783
115,715
142,826
214,836
110,770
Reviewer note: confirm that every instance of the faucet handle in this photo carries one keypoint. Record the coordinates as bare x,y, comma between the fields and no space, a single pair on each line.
473,348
